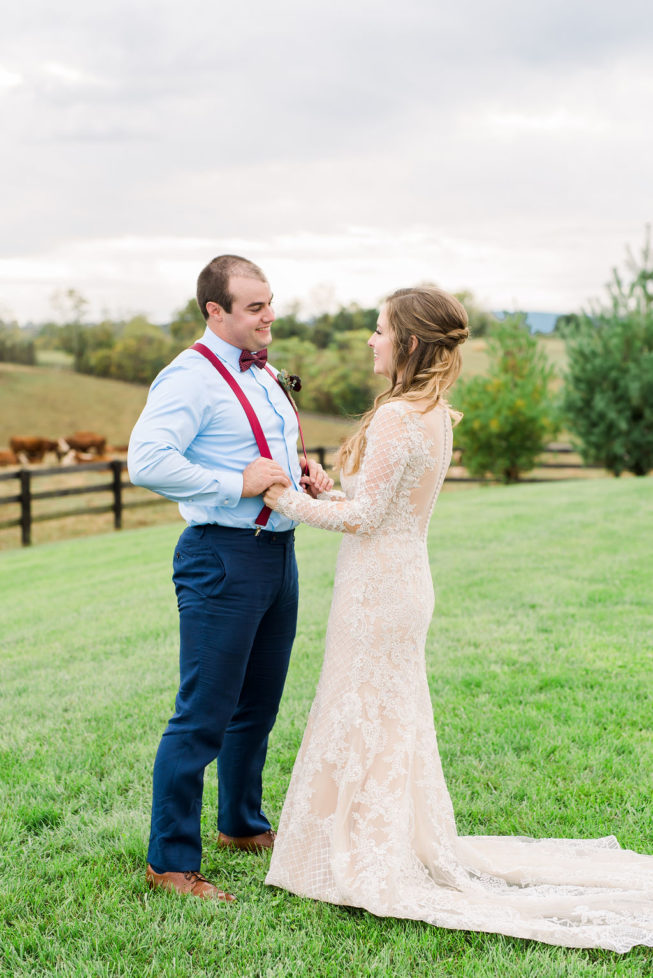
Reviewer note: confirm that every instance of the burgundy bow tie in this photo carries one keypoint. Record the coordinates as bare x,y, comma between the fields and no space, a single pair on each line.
246,359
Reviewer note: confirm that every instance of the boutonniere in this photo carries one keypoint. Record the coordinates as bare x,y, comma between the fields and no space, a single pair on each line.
289,382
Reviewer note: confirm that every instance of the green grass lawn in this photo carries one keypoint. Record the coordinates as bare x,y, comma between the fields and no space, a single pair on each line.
539,661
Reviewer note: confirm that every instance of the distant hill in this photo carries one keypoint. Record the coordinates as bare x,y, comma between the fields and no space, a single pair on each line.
54,403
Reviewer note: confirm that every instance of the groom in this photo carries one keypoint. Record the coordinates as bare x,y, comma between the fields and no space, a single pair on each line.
236,584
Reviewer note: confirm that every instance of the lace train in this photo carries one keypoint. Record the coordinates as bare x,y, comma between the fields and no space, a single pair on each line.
368,820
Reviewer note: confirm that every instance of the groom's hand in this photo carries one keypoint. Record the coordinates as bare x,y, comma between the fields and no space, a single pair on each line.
271,495
260,474
317,480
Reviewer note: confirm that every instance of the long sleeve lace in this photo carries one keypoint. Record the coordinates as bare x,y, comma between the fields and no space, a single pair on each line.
386,456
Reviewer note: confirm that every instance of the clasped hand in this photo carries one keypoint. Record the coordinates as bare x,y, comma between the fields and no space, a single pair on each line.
266,477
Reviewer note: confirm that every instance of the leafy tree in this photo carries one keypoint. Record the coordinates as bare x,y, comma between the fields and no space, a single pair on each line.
568,324
608,393
509,415
71,307
297,356
188,324
14,346
141,352
347,319
49,336
344,377
335,380
94,346
481,322
353,317
290,325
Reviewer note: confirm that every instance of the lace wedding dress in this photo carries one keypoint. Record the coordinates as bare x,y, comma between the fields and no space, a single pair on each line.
368,821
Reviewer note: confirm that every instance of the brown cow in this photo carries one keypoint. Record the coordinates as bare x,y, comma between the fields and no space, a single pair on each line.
73,457
87,441
8,458
31,449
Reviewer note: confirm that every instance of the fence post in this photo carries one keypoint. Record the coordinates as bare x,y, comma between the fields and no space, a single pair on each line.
26,506
116,466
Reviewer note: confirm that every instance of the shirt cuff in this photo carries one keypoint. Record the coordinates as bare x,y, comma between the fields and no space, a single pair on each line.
231,489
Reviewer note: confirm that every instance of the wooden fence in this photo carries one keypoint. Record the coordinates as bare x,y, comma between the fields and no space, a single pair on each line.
26,496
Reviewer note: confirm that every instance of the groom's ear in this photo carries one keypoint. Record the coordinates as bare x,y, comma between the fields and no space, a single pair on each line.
214,310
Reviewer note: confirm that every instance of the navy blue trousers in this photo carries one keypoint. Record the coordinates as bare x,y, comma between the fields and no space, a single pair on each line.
237,599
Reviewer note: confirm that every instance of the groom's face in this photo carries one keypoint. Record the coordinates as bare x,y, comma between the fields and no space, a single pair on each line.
248,324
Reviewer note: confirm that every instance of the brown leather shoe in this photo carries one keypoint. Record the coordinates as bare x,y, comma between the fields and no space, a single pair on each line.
191,884
248,843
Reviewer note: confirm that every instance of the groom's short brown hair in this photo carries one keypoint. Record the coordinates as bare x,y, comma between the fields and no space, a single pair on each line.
213,281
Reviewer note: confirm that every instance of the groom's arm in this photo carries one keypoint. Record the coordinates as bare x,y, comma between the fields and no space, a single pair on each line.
177,409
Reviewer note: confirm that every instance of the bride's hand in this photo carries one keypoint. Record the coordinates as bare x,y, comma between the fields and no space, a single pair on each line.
272,493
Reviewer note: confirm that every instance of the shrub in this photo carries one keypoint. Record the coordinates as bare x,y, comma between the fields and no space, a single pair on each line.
608,393
509,414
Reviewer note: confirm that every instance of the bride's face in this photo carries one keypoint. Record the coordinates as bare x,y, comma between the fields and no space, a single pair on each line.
382,345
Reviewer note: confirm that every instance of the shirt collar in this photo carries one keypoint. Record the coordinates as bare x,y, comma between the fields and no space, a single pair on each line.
230,354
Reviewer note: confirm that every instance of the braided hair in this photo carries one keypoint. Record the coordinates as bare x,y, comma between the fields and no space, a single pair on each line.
427,325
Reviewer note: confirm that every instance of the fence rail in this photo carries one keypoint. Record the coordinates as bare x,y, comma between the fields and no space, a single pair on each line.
27,496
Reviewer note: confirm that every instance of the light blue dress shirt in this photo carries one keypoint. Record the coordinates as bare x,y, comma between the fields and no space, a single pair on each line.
193,439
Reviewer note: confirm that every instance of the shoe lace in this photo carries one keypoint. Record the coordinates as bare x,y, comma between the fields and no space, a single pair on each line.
194,876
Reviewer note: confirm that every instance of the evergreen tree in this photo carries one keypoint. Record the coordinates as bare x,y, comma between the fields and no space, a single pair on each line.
608,394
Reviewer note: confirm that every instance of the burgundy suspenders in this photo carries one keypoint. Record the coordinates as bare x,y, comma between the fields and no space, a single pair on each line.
261,441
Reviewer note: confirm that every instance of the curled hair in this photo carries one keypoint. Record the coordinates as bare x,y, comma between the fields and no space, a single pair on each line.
438,322
213,281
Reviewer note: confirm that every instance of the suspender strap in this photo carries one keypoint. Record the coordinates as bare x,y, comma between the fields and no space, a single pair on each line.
261,442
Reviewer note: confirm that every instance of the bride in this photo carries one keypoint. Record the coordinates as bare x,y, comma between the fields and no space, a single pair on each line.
368,821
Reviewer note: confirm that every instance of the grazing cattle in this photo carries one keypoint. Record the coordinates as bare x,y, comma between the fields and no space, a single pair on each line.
73,457
8,458
31,449
86,441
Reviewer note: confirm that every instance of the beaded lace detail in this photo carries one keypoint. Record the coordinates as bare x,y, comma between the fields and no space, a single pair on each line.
368,821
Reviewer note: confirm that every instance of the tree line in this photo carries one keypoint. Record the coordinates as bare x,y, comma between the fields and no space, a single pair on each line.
327,351
605,401
15,346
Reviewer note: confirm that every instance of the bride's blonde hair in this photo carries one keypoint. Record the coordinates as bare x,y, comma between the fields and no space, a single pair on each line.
438,322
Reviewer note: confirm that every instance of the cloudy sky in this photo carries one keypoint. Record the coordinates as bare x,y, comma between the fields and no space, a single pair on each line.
350,148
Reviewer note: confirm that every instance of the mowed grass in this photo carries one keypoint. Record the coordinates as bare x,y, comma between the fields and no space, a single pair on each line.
539,660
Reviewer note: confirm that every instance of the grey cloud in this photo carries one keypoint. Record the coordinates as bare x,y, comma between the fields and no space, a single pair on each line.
212,119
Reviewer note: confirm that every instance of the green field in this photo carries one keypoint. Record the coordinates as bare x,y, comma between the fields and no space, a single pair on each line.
539,662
